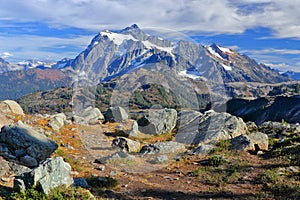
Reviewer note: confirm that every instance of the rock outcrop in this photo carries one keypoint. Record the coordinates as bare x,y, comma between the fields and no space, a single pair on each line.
188,126
53,173
21,142
266,109
212,127
158,121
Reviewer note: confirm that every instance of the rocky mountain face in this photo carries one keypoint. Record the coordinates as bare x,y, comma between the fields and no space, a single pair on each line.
112,54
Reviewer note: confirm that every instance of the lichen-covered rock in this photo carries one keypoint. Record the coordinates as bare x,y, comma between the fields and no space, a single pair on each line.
212,127
128,128
57,121
158,121
92,115
25,144
51,174
116,114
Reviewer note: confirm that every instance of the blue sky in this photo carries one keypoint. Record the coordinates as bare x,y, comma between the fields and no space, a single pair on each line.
266,30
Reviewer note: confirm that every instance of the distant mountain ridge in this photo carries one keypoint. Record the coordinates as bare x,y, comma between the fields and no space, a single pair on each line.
293,75
112,54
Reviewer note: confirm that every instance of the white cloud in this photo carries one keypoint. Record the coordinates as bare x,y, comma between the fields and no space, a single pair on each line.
5,55
28,46
175,18
284,67
218,16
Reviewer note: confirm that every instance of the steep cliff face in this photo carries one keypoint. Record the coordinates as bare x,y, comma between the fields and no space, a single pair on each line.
266,109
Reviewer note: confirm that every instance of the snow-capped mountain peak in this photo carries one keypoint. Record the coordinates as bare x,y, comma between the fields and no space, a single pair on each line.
117,38
116,53
219,52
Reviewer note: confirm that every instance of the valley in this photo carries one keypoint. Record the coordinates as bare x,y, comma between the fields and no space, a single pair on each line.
136,116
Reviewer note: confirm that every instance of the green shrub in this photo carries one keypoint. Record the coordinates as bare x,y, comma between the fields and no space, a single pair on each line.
102,182
30,194
269,176
216,161
59,193
221,146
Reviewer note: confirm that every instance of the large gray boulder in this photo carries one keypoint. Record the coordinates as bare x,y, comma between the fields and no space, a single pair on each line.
128,128
89,115
187,117
57,121
212,127
10,106
188,126
169,147
158,121
92,115
23,143
116,114
53,173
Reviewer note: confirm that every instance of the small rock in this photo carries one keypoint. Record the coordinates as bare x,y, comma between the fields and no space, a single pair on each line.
126,144
116,157
113,173
163,148
260,139
128,128
101,168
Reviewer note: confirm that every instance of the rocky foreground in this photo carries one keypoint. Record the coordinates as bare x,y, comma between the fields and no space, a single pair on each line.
157,154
